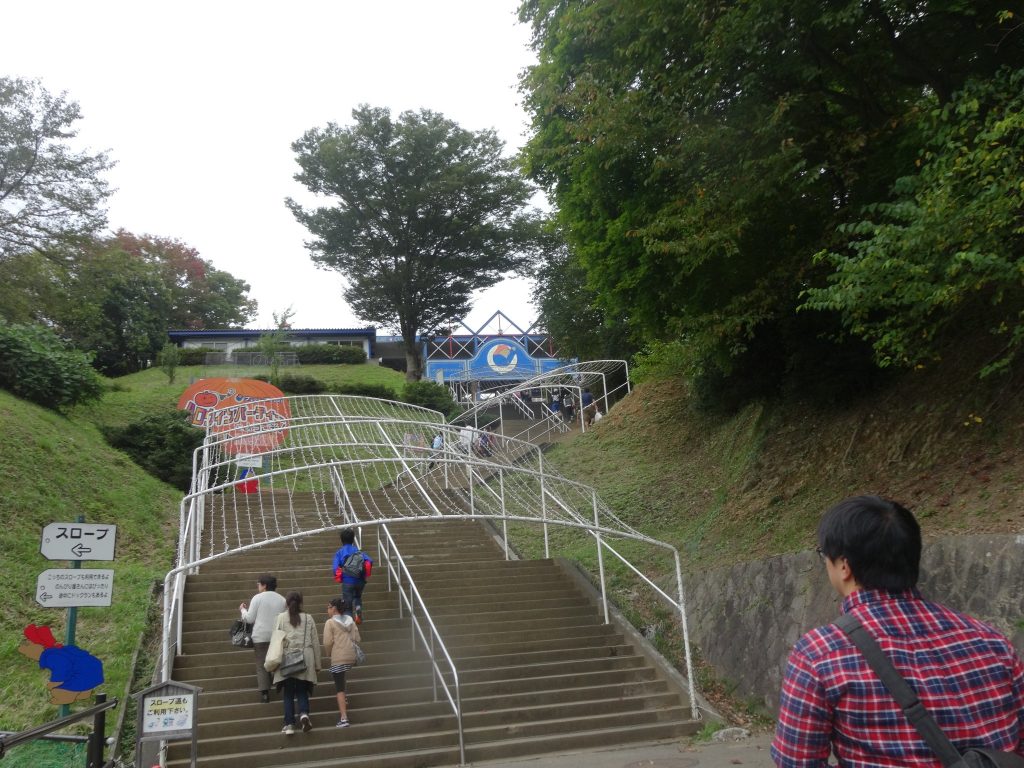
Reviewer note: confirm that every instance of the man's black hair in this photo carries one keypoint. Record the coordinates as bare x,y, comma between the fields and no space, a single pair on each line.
348,536
879,538
270,582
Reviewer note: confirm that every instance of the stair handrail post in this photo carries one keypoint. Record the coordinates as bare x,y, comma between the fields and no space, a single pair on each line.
504,512
543,502
686,636
433,678
384,552
429,644
600,558
469,481
97,739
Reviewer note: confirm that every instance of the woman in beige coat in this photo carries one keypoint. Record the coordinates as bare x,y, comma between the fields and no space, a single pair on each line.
300,632
340,636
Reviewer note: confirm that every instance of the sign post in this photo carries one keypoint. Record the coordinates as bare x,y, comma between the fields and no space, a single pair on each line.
70,588
166,712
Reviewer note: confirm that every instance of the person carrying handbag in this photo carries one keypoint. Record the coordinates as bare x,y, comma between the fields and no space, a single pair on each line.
262,612
299,640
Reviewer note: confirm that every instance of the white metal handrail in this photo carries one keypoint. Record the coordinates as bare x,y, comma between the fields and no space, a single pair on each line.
389,554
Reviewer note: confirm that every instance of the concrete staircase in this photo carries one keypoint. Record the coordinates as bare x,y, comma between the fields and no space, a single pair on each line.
539,673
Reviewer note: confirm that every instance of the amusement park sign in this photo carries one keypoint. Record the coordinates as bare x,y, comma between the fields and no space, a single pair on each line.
252,413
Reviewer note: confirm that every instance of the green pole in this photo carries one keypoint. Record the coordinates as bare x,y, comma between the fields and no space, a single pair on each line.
69,632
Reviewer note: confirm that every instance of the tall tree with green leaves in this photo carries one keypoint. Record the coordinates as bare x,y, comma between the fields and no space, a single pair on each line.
946,253
699,153
116,309
422,212
199,295
49,192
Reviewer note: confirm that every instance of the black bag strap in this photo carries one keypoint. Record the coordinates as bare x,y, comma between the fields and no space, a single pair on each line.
916,714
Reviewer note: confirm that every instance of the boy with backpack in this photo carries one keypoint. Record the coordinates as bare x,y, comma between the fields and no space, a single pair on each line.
351,568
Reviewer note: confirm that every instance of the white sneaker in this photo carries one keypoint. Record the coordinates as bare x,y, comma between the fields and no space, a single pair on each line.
305,722
288,730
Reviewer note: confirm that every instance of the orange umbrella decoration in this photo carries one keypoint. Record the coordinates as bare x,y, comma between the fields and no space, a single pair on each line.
239,408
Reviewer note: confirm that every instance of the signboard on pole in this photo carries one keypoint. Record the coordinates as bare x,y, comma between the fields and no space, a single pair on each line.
254,460
78,541
74,587
166,712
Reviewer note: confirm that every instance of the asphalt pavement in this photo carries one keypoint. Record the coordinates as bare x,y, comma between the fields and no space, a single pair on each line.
749,752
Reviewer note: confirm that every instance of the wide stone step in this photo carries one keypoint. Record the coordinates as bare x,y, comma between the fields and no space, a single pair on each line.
538,670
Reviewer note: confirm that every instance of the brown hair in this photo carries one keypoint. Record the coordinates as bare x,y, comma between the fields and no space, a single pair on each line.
294,603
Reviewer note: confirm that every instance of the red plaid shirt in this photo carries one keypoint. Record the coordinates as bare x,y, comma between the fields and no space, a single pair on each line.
966,674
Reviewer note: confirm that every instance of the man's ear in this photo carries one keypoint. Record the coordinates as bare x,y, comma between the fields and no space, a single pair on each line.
845,582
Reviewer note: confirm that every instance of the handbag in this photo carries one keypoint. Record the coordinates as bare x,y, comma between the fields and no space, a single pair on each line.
913,709
294,661
275,651
241,634
360,654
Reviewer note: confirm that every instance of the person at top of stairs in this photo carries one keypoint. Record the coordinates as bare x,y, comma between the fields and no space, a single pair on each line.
340,636
262,612
351,585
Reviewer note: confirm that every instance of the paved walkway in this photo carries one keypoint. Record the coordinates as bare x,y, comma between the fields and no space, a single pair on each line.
751,752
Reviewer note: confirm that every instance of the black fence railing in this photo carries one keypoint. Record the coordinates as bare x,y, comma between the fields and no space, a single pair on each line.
95,741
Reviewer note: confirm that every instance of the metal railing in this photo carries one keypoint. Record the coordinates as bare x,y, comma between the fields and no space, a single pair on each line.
409,600
511,485
96,741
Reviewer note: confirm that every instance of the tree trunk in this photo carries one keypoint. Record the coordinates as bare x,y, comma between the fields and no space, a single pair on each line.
413,362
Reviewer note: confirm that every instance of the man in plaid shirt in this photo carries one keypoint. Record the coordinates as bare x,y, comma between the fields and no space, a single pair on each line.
964,672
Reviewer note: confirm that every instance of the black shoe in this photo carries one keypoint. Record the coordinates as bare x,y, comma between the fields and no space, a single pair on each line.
265,697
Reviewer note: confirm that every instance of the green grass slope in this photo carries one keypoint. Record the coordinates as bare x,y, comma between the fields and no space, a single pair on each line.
56,468
140,393
754,484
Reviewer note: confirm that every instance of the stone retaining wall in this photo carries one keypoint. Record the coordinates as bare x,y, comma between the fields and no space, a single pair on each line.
746,618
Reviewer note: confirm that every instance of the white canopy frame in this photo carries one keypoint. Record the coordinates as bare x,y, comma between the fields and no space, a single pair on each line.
362,461
610,379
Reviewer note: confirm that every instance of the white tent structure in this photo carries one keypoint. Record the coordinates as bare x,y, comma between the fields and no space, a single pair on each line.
366,462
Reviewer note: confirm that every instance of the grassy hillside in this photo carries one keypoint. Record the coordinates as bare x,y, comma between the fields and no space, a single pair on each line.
727,489
56,467
753,484
140,393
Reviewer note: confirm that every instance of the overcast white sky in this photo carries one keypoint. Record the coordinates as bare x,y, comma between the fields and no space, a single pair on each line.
199,102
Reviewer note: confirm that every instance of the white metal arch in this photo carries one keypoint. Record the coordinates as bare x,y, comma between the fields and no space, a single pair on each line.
608,378
362,461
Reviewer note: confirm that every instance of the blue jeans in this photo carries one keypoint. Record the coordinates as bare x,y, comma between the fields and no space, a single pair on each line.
298,689
353,593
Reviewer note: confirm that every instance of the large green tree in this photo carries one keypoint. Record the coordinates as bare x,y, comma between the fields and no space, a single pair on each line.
199,295
947,252
118,296
117,310
699,153
421,213
49,191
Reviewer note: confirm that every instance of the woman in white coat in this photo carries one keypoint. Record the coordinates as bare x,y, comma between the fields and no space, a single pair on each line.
300,633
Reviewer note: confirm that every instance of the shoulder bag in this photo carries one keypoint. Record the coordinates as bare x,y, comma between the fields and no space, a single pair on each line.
360,655
241,634
275,651
914,710
294,661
